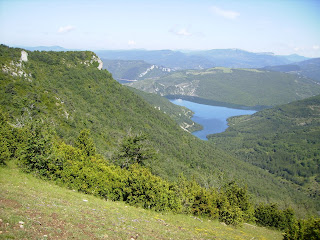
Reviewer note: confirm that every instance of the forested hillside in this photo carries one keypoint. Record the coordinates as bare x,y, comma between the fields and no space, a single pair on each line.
128,70
235,87
180,114
309,68
283,140
66,93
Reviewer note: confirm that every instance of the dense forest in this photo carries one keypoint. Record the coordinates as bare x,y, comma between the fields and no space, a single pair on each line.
283,140
64,119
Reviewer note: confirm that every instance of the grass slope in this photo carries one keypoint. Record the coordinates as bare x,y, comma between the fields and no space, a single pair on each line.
283,140
246,87
50,212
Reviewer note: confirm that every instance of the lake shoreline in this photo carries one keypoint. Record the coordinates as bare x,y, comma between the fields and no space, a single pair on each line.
216,103
212,118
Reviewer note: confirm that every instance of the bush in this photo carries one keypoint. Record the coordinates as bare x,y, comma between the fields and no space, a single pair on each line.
270,215
308,229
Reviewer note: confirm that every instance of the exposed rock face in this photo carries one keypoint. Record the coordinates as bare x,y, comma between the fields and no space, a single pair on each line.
93,59
97,59
17,69
24,56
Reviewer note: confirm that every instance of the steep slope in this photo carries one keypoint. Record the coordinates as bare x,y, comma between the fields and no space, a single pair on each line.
61,214
309,68
246,87
130,70
283,140
180,114
69,92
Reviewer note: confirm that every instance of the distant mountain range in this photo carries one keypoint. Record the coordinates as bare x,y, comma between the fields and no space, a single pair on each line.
309,68
233,58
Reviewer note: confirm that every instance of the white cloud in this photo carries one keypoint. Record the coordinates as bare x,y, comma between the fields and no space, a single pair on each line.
66,29
131,43
225,13
316,47
181,32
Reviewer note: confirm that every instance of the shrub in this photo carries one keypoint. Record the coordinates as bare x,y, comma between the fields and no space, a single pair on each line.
270,215
308,229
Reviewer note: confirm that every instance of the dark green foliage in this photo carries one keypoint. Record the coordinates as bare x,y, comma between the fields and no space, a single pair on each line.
234,204
283,140
196,199
270,215
134,149
4,145
35,152
238,197
85,143
10,139
308,229
149,191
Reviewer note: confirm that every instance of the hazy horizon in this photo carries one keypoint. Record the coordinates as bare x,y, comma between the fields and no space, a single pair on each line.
281,27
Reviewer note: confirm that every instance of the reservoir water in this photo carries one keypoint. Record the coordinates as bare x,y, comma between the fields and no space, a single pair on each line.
212,118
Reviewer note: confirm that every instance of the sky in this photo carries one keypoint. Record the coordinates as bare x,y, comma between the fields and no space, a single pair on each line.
279,26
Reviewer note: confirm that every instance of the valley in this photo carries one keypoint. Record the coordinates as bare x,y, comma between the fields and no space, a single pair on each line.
157,119
62,116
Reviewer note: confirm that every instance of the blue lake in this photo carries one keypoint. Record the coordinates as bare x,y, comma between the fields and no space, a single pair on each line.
212,118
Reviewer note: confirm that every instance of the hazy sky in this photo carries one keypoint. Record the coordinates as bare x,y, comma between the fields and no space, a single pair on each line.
279,26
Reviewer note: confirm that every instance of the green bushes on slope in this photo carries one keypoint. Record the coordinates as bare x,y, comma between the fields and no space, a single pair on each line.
42,153
68,92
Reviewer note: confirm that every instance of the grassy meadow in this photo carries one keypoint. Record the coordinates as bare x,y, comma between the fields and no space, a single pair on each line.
31,208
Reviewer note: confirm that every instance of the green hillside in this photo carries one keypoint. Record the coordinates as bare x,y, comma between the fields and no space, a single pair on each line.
284,140
34,209
68,93
180,114
124,70
308,68
237,87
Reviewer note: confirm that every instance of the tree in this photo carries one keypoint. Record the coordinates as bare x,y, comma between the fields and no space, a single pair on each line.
134,149
85,143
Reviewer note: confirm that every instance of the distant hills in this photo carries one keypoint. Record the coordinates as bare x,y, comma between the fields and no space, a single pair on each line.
309,68
128,70
237,58
166,58
233,87
232,58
